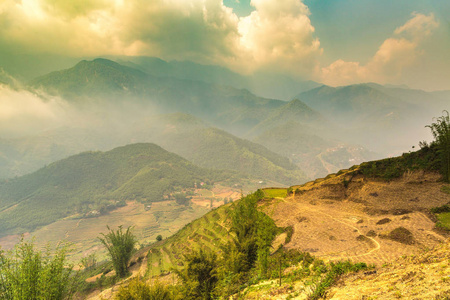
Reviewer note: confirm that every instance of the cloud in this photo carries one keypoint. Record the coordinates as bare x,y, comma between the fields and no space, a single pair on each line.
393,56
23,112
277,35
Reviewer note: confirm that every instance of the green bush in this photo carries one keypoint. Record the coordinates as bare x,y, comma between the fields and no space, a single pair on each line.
120,246
139,290
26,273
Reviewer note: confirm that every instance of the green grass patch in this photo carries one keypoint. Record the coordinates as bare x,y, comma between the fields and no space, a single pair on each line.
275,193
444,220
445,189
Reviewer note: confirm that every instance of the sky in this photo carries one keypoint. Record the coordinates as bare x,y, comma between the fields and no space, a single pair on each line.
335,42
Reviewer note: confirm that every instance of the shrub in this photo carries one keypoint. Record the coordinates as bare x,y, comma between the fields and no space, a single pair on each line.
138,290
26,273
120,246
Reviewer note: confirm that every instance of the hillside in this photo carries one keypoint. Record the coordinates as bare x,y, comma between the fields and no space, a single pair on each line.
217,149
374,213
96,182
423,276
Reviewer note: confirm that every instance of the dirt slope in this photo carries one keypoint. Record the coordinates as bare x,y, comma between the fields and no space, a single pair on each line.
425,276
350,216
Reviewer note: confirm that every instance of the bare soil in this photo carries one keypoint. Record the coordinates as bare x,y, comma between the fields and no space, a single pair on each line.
329,219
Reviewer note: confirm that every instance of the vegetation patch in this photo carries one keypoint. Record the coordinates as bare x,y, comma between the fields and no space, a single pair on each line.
275,193
383,221
332,274
371,233
444,220
402,235
445,189
426,159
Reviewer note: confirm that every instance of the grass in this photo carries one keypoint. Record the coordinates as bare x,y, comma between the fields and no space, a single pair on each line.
444,220
275,193
446,189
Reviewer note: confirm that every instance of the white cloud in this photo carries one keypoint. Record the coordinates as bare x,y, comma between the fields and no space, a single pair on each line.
22,112
393,56
279,35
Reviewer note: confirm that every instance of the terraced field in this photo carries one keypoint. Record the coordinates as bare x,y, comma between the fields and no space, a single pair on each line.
207,233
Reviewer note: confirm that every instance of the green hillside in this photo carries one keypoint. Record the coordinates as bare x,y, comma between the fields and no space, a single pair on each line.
96,181
217,149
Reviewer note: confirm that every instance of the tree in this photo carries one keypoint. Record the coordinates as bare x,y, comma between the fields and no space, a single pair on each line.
26,273
120,246
159,238
200,275
441,133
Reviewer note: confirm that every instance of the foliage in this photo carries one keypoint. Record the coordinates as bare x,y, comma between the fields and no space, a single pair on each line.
200,275
443,216
139,290
181,199
253,233
441,209
425,159
332,274
159,238
441,133
26,273
89,262
444,220
120,246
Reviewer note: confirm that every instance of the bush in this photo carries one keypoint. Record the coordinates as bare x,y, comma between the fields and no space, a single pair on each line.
138,290
120,246
26,273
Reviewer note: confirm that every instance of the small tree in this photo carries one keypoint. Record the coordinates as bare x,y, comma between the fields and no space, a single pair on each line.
159,238
120,246
26,273
441,133
200,275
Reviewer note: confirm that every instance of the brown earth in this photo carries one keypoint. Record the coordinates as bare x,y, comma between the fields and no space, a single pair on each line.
424,276
329,218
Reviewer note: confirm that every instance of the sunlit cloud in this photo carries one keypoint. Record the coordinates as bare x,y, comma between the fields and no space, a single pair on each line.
393,56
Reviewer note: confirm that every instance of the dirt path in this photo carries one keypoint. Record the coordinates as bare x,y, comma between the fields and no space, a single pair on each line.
377,247
377,244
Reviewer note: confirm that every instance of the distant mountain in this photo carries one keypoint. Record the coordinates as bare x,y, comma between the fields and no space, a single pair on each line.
293,111
269,85
100,77
386,119
349,105
233,109
96,181
315,155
